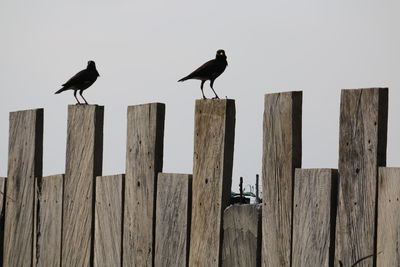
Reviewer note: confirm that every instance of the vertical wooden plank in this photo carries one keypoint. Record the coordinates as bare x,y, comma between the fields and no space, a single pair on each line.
173,219
281,155
315,194
242,236
108,225
144,159
83,165
24,165
2,210
388,247
49,220
212,178
362,148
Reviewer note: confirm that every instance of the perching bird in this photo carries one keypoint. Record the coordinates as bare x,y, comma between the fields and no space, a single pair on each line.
81,81
209,71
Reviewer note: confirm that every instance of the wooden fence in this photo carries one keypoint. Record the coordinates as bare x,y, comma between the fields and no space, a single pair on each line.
309,217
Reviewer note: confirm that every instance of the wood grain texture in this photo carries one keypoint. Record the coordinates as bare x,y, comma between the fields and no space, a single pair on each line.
212,178
2,210
388,247
108,221
315,194
144,159
362,148
48,221
173,219
24,165
281,155
242,236
83,165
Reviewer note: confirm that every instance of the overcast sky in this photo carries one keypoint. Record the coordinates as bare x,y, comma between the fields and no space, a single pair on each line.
141,49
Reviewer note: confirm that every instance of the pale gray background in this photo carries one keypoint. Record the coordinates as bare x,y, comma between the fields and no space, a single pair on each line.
143,47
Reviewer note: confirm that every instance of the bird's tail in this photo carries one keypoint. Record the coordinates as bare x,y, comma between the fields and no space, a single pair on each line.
184,79
61,90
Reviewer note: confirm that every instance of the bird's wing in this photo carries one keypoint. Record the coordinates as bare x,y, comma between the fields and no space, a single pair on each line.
207,70
78,78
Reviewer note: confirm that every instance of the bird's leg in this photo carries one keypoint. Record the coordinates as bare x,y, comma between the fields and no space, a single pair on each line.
80,92
76,98
211,85
201,87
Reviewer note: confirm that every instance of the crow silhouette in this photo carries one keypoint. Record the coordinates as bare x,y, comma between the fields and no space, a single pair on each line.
209,71
81,81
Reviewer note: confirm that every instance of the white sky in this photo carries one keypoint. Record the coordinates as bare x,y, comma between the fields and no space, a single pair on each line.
142,48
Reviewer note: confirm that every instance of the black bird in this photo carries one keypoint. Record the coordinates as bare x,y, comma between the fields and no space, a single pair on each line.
81,81
209,71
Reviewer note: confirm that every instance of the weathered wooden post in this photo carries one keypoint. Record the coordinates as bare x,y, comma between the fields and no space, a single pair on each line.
174,193
242,236
48,221
315,195
144,160
388,253
362,149
108,220
83,164
281,155
212,178
24,166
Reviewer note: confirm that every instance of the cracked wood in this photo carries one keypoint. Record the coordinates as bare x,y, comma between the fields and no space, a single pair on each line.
362,149
24,166
83,165
173,219
212,178
281,155
48,220
144,160
315,194
108,220
388,250
242,236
